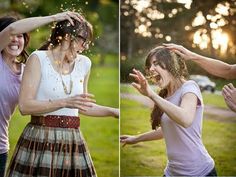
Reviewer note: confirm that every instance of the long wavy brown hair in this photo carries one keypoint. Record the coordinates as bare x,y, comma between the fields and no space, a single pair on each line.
175,65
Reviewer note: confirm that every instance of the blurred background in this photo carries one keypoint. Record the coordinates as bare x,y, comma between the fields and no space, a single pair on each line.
203,26
101,133
207,27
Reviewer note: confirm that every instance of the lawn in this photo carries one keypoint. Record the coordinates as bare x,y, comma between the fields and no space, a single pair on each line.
101,134
149,159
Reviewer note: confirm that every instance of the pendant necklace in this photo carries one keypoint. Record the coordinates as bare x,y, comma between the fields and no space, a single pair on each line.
66,91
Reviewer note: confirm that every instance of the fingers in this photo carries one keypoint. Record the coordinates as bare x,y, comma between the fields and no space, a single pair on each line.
170,46
175,48
86,95
179,53
141,76
70,16
86,100
122,137
69,19
229,102
82,109
138,75
135,76
231,86
74,16
227,90
135,85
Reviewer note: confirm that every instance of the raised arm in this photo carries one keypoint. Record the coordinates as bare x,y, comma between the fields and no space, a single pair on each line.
147,136
29,24
182,115
29,86
213,66
98,110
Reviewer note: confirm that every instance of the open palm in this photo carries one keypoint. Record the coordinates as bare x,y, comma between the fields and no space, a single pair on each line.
141,83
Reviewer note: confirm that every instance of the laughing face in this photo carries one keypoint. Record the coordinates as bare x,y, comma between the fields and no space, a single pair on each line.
158,74
74,46
16,46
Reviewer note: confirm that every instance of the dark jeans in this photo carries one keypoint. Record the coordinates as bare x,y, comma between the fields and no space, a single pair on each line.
212,173
3,162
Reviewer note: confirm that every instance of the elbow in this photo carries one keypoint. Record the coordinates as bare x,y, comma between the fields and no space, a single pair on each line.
187,123
23,110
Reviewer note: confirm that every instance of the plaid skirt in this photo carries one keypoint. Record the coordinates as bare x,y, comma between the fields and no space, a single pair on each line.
51,152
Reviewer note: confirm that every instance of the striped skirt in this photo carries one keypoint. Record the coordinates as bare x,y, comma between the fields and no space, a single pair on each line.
51,152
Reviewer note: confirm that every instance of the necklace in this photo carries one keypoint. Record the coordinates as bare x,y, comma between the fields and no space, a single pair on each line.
67,92
64,85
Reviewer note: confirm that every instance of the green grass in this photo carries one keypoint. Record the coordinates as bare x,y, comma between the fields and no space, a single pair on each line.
214,100
127,88
143,159
149,158
101,134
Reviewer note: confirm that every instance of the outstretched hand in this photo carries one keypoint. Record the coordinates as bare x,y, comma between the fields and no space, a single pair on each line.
128,139
82,101
182,51
141,83
229,94
68,15
116,113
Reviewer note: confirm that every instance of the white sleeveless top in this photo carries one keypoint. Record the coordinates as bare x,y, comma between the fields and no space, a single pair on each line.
50,86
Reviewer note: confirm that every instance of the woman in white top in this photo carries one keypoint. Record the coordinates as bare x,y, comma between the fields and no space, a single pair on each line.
13,41
54,93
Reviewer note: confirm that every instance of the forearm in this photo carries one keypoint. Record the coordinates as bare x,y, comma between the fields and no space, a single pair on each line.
100,111
150,136
35,107
216,67
176,113
28,24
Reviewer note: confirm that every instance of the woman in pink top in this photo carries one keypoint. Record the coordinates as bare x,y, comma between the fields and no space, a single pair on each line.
14,39
177,115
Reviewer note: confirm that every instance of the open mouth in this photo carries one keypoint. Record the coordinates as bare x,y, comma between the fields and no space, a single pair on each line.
14,47
154,77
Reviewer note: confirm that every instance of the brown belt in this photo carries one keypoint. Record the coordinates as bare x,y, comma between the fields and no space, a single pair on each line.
56,121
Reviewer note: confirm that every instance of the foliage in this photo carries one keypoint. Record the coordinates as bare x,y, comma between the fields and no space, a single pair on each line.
102,14
144,27
127,66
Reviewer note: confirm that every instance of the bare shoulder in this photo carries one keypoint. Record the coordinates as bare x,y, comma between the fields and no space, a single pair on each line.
84,59
33,62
